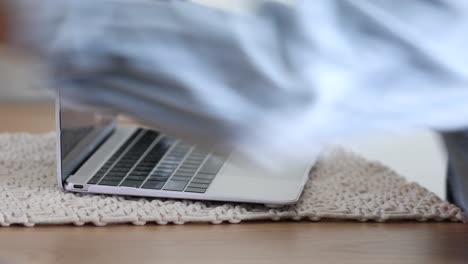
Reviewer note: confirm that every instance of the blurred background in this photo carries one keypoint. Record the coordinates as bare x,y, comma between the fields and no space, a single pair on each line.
419,156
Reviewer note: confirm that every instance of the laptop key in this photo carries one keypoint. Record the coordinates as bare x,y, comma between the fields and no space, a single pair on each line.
136,178
118,168
175,185
184,174
144,168
109,183
161,174
116,174
205,176
157,185
139,173
171,161
93,180
183,170
198,185
132,183
198,180
180,178
157,178
168,166
195,190
164,170
212,165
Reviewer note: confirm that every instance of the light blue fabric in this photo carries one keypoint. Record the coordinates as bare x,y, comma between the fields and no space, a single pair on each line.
285,79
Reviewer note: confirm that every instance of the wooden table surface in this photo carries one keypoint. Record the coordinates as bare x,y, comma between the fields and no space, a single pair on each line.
259,242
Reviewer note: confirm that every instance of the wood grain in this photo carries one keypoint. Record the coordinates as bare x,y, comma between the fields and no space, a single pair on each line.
243,243
27,117
260,242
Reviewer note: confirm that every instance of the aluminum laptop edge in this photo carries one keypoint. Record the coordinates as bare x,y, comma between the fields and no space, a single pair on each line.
95,155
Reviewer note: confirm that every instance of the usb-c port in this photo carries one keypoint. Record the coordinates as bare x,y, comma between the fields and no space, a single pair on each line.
77,186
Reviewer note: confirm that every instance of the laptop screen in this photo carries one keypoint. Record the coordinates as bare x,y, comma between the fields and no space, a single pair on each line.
80,134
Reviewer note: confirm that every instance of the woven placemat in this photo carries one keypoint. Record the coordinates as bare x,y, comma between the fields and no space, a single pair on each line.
342,185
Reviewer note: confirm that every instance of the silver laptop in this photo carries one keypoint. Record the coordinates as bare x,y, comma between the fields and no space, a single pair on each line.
97,155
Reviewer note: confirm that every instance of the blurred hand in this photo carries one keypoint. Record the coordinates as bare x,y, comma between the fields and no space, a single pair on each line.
270,84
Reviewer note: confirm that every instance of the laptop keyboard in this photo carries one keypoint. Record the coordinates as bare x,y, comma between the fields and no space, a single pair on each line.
150,161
